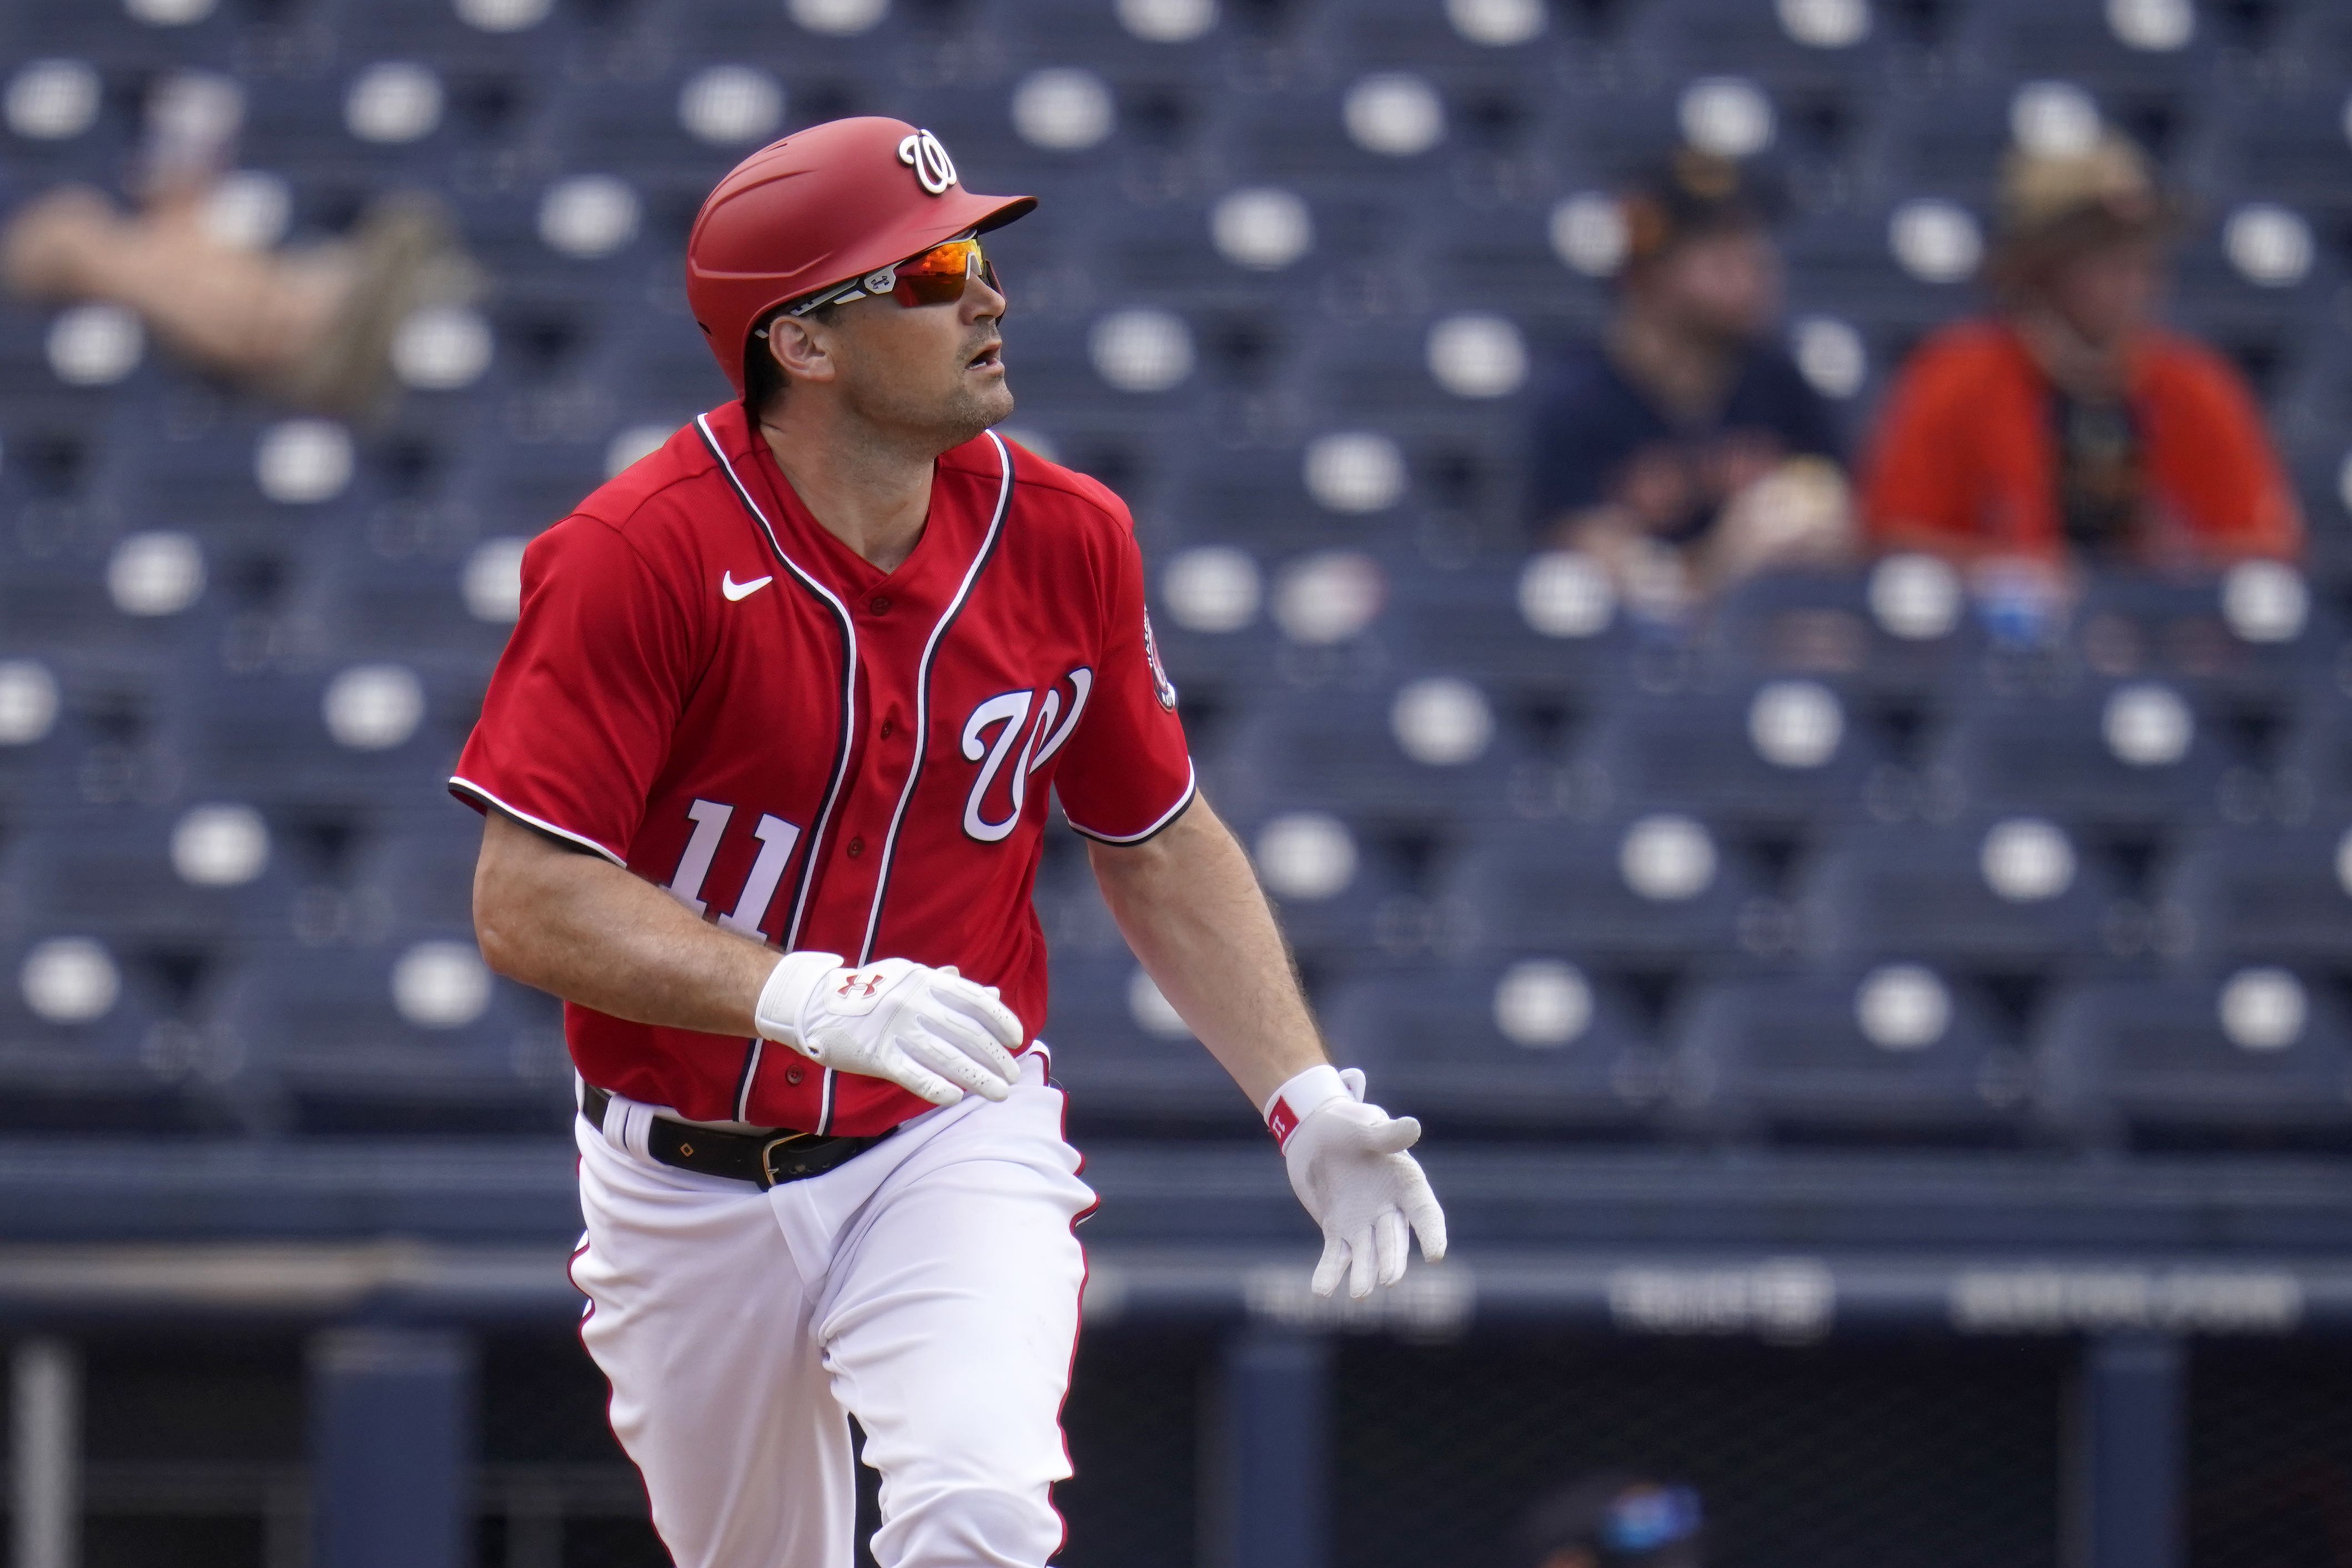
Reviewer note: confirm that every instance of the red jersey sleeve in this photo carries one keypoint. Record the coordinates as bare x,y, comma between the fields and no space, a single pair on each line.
578,717
1127,771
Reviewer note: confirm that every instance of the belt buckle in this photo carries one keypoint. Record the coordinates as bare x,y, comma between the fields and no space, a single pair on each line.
767,1177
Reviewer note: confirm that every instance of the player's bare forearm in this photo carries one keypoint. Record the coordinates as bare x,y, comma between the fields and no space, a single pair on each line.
567,922
1188,903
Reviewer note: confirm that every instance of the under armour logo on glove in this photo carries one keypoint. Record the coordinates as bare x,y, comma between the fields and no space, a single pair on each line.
932,166
873,983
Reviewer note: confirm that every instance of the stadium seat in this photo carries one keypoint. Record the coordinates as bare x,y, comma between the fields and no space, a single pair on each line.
2252,1056
79,1036
2016,893
2315,771
2100,752
392,1037
1122,1052
1534,1043
1349,897
1637,893
1776,752
2257,894
269,738
1894,1054
1430,751
420,874
1898,632
2249,633
200,880
1550,626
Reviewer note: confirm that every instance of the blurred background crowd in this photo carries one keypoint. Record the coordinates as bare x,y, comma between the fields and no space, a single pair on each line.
1755,574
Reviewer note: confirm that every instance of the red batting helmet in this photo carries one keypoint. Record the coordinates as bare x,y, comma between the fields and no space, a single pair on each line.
819,207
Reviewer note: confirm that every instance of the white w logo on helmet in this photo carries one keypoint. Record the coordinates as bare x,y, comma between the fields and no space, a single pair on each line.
922,152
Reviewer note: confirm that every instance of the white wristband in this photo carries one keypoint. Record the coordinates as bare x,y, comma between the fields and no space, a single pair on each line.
1300,1098
783,1000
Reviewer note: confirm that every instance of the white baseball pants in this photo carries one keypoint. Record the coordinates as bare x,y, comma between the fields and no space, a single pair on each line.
930,1287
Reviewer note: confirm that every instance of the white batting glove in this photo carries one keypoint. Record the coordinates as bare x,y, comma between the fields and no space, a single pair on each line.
1348,1166
928,1030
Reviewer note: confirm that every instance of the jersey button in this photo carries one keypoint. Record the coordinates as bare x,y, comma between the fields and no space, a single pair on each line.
792,1076
880,604
886,728
856,847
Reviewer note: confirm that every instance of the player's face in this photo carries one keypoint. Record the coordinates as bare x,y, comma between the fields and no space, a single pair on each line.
937,370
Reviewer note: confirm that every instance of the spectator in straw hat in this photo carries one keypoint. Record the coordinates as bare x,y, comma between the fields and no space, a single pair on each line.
2071,428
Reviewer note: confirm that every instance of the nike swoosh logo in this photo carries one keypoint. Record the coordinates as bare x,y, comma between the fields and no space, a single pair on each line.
734,590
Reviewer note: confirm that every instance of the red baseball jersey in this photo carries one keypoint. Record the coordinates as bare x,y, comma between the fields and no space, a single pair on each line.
707,688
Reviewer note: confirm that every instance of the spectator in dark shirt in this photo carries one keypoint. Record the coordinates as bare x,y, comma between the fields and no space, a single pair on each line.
1686,450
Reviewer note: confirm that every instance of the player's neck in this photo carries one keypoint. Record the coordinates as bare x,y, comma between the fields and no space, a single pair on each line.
870,493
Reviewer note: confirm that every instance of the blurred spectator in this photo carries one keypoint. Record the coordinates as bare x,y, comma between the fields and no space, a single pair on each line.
309,326
1686,450
2072,427
1614,1519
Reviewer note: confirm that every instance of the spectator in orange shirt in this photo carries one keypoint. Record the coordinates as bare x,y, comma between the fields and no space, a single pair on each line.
2072,428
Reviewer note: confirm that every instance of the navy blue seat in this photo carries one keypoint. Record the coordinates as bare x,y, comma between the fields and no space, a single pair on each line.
1533,1042
2256,1057
2182,629
2278,894
2287,142
2112,752
2010,893
328,1027
1342,750
1300,140
56,597
2315,769
1843,263
1781,751
113,873
1563,887
1112,1063
1717,37
1355,904
1257,496
2024,39
1501,258
360,603
420,874
434,32
1551,626
1869,633
633,130
91,1054
1895,1053
47,730
264,737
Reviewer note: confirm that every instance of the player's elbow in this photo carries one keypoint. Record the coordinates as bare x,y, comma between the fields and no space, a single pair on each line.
497,929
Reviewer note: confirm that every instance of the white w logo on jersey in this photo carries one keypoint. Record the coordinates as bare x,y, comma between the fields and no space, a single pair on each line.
1008,714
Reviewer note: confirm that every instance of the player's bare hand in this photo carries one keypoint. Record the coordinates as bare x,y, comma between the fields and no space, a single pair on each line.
930,1031
1348,1166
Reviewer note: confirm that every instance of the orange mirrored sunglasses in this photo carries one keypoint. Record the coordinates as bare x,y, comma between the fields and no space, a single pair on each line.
933,276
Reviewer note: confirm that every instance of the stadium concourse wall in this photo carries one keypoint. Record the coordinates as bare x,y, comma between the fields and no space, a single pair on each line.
1967,1360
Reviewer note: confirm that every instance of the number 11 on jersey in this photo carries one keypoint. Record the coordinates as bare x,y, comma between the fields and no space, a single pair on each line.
776,838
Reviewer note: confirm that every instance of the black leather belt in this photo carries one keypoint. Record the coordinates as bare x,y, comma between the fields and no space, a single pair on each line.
765,1159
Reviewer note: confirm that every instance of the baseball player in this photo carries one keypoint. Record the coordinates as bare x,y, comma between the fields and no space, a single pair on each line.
764,771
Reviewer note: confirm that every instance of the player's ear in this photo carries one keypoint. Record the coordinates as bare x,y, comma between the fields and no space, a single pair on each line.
802,348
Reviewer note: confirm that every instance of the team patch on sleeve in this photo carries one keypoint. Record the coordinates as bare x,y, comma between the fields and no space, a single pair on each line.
1163,686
